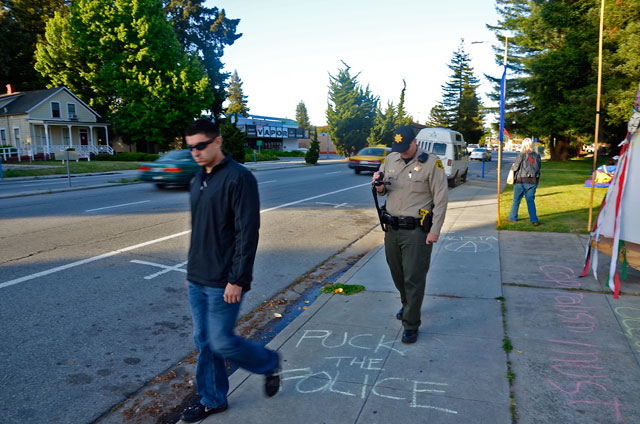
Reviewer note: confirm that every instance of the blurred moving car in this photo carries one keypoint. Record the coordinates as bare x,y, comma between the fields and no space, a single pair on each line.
480,154
471,147
176,167
369,159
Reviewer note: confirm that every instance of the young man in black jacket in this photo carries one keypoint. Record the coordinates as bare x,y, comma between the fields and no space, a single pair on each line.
225,218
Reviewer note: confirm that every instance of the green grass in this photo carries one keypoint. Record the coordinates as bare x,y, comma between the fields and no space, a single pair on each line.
344,289
562,200
81,167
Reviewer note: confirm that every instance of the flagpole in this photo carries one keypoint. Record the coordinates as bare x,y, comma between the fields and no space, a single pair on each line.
503,89
595,144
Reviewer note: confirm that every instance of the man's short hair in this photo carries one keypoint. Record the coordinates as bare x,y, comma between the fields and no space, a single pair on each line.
203,126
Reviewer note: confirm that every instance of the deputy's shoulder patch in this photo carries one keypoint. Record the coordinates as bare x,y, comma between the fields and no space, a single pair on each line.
439,164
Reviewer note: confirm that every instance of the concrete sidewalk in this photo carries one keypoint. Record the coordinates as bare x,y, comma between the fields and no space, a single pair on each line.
575,356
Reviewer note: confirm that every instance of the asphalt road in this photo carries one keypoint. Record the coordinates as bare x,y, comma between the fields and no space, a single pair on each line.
92,301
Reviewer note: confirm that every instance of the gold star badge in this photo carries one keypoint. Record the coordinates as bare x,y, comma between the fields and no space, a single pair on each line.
398,138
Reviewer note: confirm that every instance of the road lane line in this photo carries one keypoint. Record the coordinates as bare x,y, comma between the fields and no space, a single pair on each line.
334,172
147,243
117,206
267,182
88,260
314,197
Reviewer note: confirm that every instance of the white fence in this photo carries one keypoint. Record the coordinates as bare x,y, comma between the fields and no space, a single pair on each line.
84,150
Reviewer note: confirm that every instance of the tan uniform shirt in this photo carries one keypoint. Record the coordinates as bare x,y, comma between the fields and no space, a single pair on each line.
416,185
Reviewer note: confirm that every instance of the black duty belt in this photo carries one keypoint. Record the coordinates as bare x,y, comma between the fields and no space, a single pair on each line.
401,222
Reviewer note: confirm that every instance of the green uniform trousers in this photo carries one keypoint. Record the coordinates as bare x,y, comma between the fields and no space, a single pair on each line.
408,257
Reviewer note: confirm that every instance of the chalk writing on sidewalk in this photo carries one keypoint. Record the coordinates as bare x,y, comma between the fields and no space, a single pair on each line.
367,380
630,319
576,369
468,244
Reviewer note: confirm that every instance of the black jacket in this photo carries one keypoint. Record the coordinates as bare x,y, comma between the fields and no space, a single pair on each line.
225,218
527,168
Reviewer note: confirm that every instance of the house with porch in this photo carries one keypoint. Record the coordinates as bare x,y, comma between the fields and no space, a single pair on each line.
41,122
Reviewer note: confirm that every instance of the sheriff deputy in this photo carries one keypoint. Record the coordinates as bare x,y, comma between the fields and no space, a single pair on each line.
416,188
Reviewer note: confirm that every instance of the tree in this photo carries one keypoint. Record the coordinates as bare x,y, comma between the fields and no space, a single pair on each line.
233,139
206,32
437,117
313,154
553,57
350,113
129,67
461,107
21,23
237,99
402,118
383,126
302,116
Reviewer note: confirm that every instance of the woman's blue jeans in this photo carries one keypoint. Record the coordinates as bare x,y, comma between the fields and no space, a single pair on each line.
529,193
213,324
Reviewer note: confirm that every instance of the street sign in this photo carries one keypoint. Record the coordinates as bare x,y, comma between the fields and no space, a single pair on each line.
259,143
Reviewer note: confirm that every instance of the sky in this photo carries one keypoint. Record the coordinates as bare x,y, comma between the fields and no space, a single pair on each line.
289,48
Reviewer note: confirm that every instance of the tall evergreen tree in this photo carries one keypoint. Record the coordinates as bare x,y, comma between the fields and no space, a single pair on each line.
553,53
437,117
233,139
302,117
383,127
129,67
402,118
21,23
313,154
205,31
237,99
350,113
461,107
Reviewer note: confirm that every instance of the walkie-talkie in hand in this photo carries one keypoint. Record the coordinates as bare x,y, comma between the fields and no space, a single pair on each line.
378,182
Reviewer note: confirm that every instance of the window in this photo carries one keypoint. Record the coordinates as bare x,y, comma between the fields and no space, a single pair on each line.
440,149
16,136
3,137
55,109
71,110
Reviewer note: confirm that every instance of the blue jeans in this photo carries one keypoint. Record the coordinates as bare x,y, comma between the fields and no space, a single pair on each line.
529,193
213,323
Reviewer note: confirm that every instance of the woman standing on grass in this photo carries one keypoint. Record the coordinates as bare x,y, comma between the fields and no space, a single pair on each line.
527,174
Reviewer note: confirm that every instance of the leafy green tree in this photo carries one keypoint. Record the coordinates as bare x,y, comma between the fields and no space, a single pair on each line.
237,99
553,55
350,113
302,117
130,67
205,31
313,154
383,126
233,139
437,117
461,107
402,118
21,23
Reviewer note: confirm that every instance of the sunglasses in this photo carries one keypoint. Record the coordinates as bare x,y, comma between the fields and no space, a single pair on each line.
202,145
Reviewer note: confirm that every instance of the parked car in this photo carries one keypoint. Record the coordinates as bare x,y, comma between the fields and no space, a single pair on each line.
369,159
176,167
450,147
470,147
480,154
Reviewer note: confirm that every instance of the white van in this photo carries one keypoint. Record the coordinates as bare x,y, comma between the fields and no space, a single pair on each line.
450,147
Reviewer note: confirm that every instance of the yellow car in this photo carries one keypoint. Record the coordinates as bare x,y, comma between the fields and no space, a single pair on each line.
369,159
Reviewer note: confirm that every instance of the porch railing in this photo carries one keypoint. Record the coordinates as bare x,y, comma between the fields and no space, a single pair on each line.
31,151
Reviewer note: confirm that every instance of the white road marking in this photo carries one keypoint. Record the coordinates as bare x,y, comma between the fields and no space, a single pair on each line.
165,268
88,260
313,197
267,182
334,172
147,243
117,206
335,206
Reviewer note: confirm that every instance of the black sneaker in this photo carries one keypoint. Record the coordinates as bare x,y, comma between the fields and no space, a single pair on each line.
400,313
198,412
410,336
272,381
